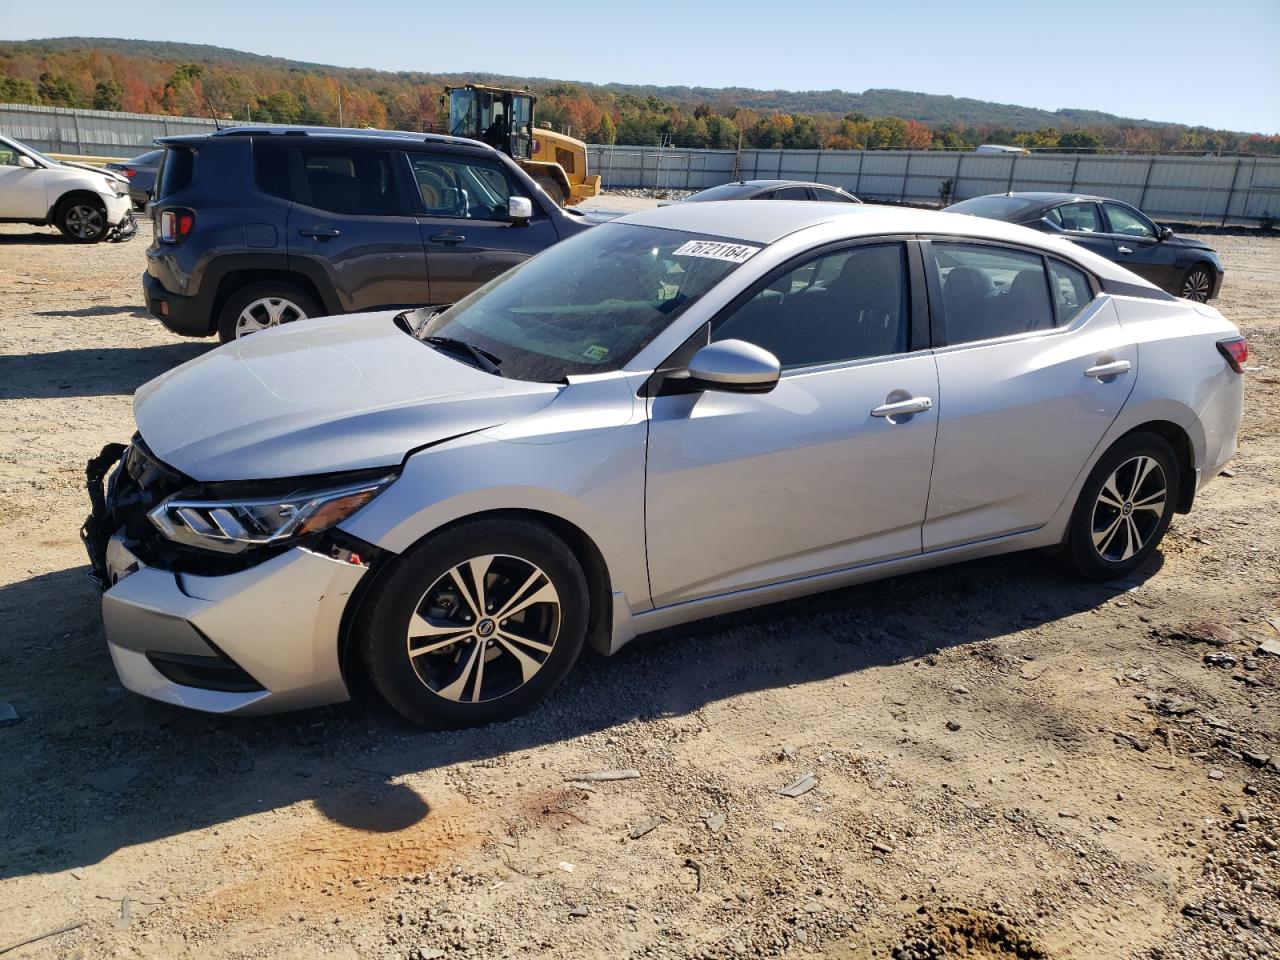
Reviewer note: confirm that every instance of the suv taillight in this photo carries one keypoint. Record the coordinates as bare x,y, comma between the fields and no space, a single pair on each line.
175,224
1236,350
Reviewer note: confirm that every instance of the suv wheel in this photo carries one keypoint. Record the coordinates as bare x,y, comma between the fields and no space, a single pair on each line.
475,624
81,221
261,306
1124,509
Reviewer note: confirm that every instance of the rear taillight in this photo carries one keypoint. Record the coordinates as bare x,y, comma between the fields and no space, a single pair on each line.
175,224
1236,350
129,172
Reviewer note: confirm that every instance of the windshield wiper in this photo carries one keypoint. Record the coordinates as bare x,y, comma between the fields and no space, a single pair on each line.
485,360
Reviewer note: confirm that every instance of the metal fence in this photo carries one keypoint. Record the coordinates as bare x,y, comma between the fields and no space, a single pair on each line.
1241,190
1196,189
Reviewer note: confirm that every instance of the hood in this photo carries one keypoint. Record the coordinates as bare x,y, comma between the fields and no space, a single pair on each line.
1177,240
338,393
102,171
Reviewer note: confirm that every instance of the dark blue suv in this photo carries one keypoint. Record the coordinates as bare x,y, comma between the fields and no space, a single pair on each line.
257,226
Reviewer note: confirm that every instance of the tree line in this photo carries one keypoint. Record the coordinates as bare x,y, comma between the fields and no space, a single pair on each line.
273,92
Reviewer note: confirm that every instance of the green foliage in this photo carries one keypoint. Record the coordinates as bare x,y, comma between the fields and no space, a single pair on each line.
1080,140
58,91
107,95
13,90
606,132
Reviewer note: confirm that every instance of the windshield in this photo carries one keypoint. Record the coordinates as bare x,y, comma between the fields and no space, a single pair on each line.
995,208
31,151
589,304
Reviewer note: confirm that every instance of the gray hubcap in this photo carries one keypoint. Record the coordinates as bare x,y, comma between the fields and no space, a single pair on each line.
84,221
1197,285
484,628
1129,508
267,312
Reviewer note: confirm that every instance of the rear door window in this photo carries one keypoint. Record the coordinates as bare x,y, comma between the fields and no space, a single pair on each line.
1078,217
792,193
990,291
349,181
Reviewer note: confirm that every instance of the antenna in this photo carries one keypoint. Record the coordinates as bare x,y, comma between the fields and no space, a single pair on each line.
212,116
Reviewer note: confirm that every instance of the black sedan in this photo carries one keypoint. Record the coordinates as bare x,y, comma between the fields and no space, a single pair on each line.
141,171
773,190
1182,266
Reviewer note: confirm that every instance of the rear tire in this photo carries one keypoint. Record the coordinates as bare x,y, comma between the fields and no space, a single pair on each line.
81,220
474,625
261,306
1124,508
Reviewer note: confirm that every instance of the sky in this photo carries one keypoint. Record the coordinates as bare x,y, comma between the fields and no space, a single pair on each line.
1201,62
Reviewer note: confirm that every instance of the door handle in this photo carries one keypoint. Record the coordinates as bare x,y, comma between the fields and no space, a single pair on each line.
449,238
1124,250
320,233
903,408
1114,368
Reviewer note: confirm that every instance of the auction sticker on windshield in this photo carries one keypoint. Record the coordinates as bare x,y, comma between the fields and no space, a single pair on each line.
715,250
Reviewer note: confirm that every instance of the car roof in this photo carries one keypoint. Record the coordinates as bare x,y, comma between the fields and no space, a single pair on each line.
1047,197
334,133
752,222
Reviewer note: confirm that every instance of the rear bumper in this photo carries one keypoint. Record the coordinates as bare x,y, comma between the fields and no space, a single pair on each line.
186,316
263,640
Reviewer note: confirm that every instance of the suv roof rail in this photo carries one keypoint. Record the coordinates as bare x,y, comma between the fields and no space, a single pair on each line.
287,131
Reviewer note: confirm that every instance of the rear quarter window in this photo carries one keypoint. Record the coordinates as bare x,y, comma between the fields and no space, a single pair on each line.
177,169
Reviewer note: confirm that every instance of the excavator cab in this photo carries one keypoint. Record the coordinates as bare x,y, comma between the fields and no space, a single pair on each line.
503,118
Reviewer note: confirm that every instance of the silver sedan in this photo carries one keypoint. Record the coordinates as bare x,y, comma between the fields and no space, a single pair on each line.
677,414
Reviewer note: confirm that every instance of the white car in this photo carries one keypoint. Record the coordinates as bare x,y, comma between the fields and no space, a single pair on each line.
85,203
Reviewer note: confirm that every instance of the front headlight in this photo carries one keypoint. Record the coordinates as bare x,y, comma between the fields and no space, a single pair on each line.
236,525
120,187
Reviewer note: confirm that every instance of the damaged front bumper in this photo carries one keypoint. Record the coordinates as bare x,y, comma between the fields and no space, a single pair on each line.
261,639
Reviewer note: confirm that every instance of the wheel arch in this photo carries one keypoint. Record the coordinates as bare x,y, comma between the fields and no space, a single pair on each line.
1180,440
236,278
76,193
580,543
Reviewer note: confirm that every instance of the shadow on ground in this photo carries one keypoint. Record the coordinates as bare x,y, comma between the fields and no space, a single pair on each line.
109,371
102,311
91,769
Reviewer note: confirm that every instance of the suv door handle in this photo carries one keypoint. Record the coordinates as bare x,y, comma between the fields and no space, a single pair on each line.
449,238
1114,368
320,233
1124,250
903,408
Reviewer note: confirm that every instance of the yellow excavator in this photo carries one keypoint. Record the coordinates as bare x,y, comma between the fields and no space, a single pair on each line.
503,118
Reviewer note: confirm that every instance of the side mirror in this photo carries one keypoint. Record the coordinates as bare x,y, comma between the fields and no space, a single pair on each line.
1166,233
519,209
25,161
734,366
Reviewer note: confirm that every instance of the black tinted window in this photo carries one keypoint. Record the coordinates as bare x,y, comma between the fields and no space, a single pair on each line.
271,168
176,171
792,193
351,181
995,208
832,196
843,305
1071,291
991,291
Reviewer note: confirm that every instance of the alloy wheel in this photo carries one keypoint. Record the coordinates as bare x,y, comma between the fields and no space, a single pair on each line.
84,220
1197,285
1129,508
265,313
484,628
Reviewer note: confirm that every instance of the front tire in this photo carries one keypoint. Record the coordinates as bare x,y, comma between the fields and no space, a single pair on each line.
1124,508
81,220
1197,285
261,306
476,624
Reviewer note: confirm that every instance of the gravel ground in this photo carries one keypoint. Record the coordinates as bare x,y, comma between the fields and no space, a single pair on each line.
1007,762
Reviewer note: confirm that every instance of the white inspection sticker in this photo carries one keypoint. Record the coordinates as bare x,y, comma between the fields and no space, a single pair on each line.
715,250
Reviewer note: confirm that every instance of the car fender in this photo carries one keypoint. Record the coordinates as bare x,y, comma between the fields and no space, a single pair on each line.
67,180
579,463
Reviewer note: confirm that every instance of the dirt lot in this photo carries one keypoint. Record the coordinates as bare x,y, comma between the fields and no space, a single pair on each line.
1008,761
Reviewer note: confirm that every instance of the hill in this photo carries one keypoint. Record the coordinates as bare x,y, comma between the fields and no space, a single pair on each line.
193,78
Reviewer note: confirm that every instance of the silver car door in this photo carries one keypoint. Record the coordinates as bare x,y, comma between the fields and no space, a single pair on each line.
830,469
1033,369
